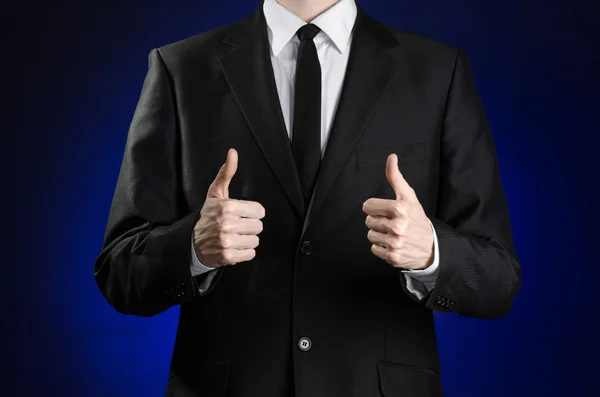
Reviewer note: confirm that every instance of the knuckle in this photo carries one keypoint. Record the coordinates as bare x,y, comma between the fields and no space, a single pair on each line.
396,228
399,208
224,240
226,207
226,226
400,243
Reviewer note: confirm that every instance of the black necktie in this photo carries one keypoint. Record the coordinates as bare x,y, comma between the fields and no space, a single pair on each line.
306,132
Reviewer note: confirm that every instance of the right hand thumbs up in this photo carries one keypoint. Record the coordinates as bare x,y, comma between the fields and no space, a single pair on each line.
227,231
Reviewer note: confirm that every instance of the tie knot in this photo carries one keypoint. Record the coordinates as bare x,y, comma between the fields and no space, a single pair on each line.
308,32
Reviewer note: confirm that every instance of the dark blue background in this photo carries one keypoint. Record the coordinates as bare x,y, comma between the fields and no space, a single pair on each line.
74,74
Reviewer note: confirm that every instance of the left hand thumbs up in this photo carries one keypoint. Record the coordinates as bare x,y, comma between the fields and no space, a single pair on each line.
399,229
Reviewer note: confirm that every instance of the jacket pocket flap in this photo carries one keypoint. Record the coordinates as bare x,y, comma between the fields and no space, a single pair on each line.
398,380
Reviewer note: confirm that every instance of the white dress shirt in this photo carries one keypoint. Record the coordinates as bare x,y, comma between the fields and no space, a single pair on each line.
333,47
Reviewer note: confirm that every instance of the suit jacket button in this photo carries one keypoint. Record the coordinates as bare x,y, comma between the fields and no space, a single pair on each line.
304,344
307,248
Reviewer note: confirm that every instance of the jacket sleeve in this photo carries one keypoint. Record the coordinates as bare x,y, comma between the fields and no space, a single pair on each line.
479,273
144,266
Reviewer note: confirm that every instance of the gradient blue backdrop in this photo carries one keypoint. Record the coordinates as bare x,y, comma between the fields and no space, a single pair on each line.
74,76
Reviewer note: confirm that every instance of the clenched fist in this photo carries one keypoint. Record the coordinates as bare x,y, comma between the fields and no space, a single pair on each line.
399,229
227,230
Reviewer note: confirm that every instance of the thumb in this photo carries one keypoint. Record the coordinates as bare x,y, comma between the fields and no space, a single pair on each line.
220,186
401,187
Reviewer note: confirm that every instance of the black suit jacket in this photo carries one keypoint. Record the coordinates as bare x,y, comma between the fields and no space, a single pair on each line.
314,274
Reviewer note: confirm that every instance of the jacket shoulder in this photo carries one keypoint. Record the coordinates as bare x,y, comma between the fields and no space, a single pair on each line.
423,46
203,45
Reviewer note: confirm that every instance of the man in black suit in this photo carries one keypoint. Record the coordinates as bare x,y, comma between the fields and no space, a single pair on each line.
362,157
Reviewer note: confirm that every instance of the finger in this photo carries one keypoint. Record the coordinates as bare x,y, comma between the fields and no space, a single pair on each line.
219,188
377,223
242,208
378,238
381,252
397,227
238,241
232,256
378,207
387,241
242,226
396,179
244,241
245,255
387,208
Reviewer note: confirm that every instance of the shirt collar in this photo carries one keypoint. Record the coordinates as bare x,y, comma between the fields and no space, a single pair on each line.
336,22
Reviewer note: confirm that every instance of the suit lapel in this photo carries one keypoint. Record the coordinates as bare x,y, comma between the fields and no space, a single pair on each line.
372,66
249,73
368,75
